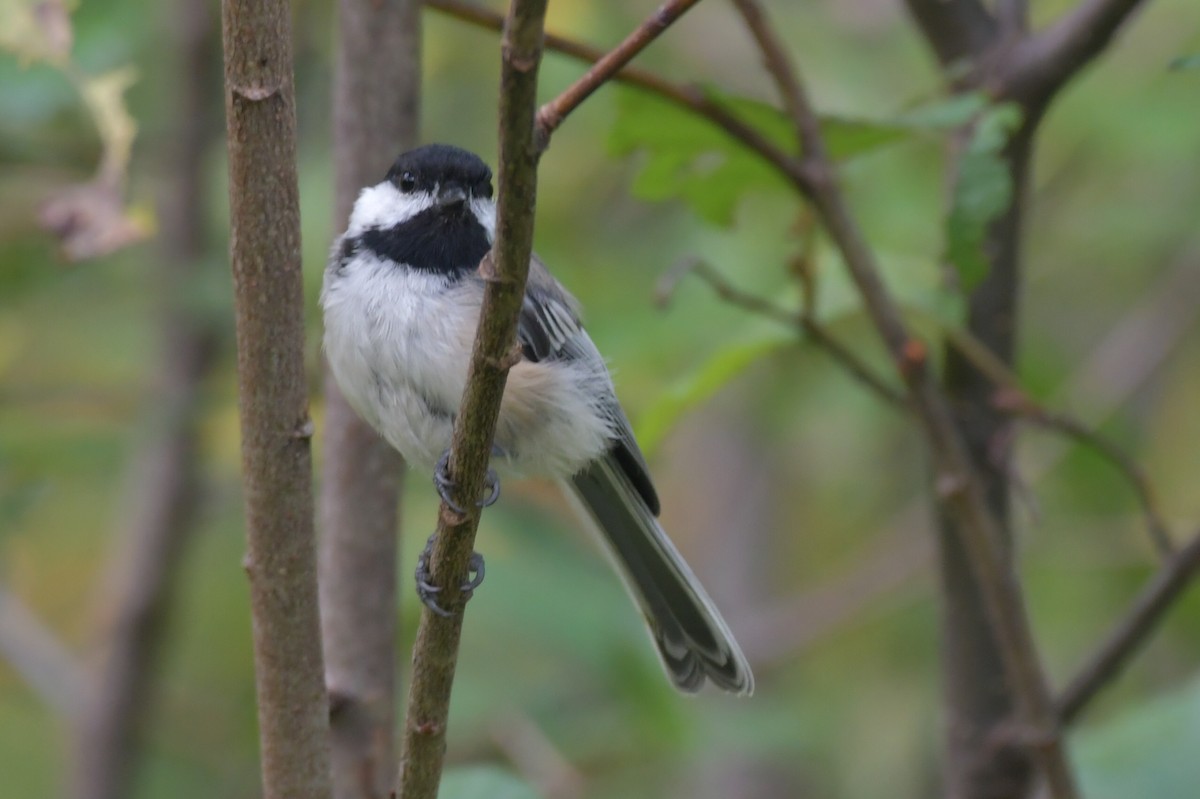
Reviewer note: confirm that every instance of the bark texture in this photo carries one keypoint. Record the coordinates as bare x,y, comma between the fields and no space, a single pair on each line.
375,116
276,429
435,653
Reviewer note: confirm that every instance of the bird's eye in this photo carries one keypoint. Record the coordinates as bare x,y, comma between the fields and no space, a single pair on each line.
487,190
408,182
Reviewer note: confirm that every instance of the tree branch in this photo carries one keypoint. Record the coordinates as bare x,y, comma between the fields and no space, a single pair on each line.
1044,62
1010,398
804,320
959,490
375,105
552,114
787,81
688,97
264,211
957,30
435,652
1023,407
1131,631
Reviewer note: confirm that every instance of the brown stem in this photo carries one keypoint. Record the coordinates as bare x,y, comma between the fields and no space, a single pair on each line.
1043,63
1131,631
959,489
958,30
435,653
688,97
264,212
787,80
552,114
375,105
1076,430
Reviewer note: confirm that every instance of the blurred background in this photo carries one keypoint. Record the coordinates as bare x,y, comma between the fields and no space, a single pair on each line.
796,495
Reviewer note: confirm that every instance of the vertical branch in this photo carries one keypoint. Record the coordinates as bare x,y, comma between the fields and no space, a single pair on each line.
375,112
280,560
435,653
136,598
963,497
977,698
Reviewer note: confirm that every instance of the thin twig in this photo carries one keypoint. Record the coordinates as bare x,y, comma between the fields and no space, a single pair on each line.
1022,406
960,491
1131,631
724,289
551,115
689,97
435,652
752,303
787,80
1011,398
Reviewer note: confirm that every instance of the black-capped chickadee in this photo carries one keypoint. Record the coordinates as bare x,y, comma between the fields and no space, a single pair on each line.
402,298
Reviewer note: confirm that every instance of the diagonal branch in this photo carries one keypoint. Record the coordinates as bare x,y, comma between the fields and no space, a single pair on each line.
1044,62
787,80
1020,405
435,652
1012,399
689,97
551,115
1131,631
817,332
959,489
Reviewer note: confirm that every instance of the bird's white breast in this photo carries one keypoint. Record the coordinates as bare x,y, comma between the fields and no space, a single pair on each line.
399,341
399,357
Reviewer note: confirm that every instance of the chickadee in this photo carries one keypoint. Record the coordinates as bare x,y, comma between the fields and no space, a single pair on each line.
401,299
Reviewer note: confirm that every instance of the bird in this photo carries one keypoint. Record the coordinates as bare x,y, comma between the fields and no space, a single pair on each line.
401,298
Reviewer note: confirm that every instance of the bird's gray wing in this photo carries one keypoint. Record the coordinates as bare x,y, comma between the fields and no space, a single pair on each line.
615,492
549,329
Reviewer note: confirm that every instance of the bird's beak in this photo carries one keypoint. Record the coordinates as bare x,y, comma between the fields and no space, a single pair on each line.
451,194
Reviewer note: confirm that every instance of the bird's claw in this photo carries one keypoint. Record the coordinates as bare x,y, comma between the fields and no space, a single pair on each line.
445,485
428,592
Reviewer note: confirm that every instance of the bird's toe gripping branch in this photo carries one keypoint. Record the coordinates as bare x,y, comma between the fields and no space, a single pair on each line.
428,592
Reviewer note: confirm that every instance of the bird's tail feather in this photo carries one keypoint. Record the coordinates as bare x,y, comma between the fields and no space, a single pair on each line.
693,640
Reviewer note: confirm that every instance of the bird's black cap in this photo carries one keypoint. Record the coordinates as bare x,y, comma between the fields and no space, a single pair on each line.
440,164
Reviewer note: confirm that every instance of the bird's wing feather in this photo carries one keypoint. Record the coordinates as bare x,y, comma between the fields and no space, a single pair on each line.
549,328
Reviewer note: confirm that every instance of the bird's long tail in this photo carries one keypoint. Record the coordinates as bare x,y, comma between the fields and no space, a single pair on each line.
692,639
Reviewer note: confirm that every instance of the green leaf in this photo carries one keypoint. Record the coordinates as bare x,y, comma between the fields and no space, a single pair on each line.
982,191
691,159
484,782
946,113
718,371
1148,751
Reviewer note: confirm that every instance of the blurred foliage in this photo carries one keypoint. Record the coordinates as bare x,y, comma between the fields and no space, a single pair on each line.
551,638
483,783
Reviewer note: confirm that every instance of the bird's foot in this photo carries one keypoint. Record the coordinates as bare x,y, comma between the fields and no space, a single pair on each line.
445,486
428,592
